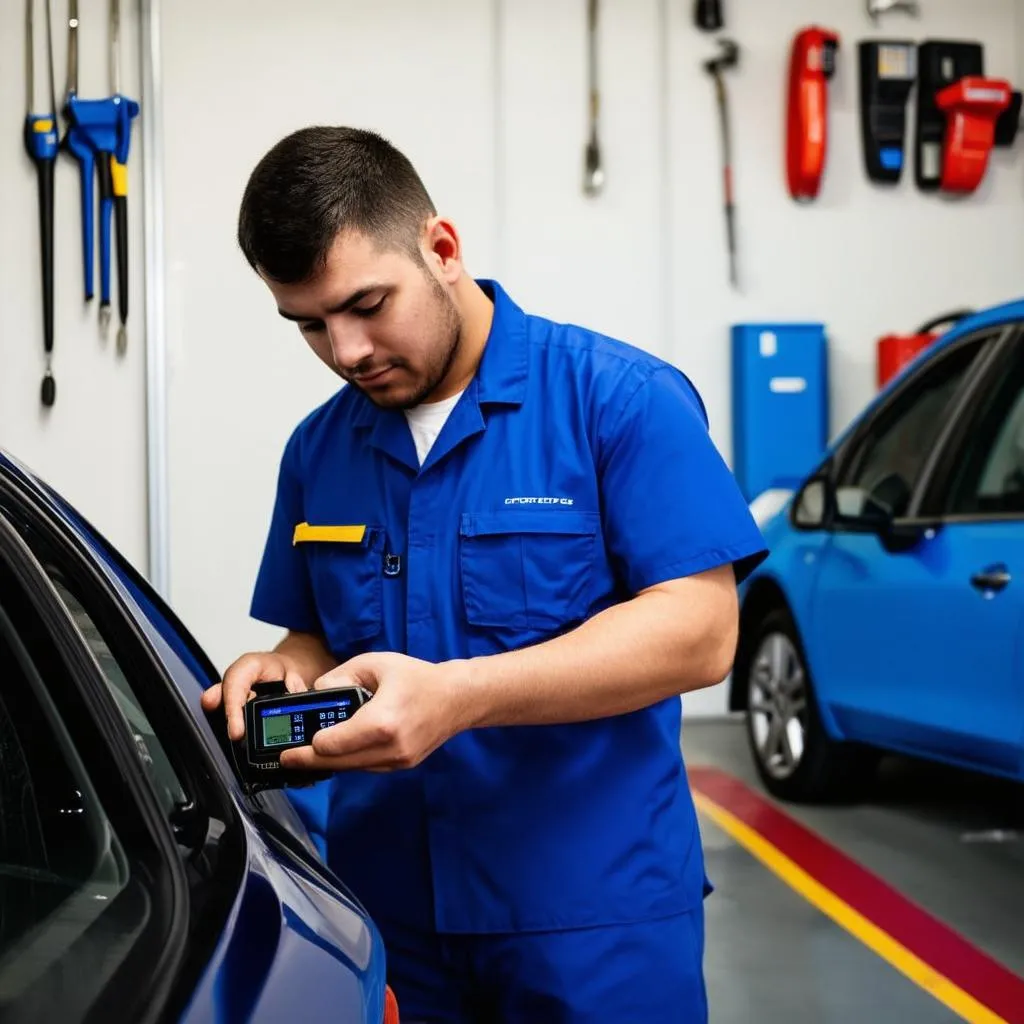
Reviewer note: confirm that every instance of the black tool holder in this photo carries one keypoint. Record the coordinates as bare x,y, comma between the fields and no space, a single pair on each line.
940,63
888,70
1009,123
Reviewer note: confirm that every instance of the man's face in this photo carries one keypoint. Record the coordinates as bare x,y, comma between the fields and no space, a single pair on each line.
378,318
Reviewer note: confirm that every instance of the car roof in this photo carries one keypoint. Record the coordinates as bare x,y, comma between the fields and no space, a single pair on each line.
994,315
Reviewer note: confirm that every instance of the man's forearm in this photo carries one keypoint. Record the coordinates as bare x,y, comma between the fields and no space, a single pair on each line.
307,654
664,642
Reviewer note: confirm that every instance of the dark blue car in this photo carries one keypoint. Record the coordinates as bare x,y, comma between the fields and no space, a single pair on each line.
140,879
889,615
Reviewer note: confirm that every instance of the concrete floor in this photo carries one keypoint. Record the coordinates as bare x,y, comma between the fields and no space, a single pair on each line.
951,841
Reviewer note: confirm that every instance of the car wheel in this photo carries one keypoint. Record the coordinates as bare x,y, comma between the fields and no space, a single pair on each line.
795,758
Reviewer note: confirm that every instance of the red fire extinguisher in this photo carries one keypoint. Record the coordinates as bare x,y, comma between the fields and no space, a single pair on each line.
894,351
812,64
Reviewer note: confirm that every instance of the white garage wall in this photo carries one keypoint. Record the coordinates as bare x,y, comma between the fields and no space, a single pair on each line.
488,98
863,259
92,443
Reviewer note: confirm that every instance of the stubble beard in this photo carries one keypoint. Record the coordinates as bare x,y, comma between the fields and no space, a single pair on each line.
449,325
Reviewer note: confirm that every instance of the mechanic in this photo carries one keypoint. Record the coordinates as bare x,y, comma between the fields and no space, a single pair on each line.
521,537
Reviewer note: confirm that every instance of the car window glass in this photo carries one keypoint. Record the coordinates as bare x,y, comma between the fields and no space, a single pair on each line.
62,863
989,478
151,751
888,462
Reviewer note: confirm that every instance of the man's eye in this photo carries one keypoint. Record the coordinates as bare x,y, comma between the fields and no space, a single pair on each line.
366,311
312,327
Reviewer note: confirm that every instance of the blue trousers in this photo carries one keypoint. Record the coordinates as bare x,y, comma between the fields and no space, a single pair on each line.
652,971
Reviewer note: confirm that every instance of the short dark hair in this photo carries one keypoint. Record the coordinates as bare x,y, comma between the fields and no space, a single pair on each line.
318,182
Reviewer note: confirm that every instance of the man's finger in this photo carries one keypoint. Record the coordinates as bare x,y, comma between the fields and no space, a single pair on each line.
238,683
211,698
336,678
294,683
306,759
362,670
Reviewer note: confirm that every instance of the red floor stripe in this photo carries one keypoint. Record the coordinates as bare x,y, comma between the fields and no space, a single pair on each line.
925,936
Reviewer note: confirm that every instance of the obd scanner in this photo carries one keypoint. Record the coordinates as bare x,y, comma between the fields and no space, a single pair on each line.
276,720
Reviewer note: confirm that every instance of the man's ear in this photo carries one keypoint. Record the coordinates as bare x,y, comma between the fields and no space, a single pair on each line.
443,248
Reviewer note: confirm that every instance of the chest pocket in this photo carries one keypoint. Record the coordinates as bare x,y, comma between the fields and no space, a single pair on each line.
527,569
347,578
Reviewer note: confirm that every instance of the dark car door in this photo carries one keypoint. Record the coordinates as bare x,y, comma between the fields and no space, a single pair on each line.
107,883
262,917
907,650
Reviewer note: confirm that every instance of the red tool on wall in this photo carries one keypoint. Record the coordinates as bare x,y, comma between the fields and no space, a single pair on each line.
812,64
972,107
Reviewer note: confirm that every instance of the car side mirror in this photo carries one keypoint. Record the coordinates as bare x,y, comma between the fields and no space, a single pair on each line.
814,503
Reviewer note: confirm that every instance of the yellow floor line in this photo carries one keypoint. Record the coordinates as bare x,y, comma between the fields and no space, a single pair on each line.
935,984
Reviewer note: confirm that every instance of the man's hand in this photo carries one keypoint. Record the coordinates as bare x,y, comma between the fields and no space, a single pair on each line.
233,692
416,707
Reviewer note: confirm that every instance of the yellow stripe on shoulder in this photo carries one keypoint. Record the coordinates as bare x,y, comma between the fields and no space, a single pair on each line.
331,534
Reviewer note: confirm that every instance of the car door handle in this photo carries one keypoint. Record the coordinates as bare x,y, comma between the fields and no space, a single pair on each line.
995,578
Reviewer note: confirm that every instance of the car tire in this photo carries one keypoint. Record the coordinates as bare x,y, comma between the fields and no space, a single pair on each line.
795,757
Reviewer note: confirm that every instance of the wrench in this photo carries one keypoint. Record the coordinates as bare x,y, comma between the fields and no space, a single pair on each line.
877,7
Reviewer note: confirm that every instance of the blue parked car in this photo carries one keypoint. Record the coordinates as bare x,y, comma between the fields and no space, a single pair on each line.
889,615
140,880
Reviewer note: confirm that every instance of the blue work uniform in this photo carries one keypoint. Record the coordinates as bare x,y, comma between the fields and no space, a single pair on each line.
574,471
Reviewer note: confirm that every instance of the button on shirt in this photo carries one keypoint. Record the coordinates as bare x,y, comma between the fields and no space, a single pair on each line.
573,472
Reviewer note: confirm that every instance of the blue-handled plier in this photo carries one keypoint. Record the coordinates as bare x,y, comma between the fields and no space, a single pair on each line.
98,137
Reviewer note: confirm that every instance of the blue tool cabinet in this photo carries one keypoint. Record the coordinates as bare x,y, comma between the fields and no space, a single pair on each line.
779,403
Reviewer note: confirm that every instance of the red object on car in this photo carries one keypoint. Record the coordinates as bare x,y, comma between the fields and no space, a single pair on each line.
896,350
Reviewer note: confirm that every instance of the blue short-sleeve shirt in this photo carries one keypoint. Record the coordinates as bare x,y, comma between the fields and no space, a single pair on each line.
574,471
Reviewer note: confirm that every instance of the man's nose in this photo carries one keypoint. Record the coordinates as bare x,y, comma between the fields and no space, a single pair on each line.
350,345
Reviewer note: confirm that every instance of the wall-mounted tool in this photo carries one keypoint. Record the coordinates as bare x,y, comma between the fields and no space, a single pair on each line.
940,63
593,171
727,58
100,136
127,111
41,142
876,8
77,143
888,70
707,15
812,64
972,107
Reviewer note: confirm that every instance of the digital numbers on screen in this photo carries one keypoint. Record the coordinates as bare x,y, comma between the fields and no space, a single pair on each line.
278,729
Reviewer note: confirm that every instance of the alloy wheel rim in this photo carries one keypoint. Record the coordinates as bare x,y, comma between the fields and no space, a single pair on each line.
777,705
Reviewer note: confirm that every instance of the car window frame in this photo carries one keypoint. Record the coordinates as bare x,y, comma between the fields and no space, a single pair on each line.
211,825
270,810
932,503
42,602
991,338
